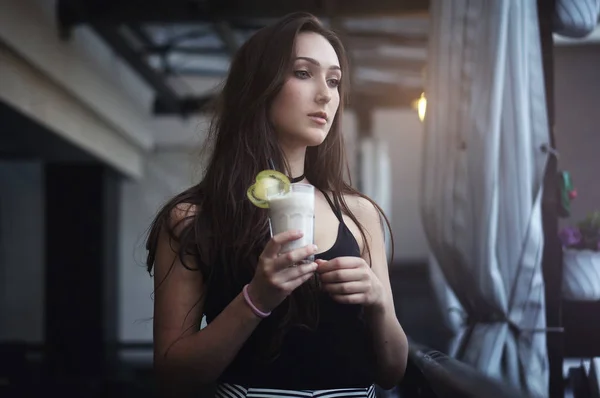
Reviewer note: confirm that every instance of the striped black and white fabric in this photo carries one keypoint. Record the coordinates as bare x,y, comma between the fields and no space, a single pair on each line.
226,390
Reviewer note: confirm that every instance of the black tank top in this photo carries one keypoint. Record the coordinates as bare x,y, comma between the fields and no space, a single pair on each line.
338,354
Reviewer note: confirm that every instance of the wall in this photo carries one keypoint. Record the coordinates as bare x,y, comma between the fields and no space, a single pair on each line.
403,132
577,85
166,173
21,251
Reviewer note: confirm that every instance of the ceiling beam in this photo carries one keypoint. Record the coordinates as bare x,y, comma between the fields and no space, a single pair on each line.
105,16
154,49
154,79
140,35
160,11
227,36
366,38
391,64
187,106
196,72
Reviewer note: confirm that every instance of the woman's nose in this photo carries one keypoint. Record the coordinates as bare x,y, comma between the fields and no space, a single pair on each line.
323,94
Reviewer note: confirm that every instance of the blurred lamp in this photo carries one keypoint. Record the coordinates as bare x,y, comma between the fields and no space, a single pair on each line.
422,106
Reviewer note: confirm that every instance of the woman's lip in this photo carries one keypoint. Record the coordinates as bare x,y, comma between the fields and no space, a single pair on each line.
318,120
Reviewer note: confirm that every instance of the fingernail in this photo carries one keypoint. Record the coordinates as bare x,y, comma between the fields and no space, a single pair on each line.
315,247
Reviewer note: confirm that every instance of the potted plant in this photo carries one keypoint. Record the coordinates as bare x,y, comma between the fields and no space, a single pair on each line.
581,259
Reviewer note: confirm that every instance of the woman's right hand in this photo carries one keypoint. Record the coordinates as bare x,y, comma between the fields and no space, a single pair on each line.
276,277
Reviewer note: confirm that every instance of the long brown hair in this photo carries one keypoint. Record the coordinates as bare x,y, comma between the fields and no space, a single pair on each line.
229,232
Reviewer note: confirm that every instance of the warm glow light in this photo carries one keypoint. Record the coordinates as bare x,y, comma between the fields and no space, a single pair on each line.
422,106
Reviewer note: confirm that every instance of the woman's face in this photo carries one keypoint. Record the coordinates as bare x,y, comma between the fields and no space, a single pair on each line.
304,109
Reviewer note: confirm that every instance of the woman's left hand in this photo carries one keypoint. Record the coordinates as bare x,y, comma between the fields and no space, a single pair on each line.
350,280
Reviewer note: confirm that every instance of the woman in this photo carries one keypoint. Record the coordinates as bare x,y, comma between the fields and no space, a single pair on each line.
332,323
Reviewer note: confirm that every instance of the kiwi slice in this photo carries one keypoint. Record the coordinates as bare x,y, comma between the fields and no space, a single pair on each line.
268,183
273,174
251,193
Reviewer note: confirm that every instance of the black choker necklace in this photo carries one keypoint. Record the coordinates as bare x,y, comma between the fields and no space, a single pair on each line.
297,179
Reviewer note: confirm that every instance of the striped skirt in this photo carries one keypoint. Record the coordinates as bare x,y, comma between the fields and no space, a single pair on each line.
226,390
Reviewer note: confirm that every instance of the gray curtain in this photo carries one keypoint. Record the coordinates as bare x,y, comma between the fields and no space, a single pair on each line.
482,182
576,18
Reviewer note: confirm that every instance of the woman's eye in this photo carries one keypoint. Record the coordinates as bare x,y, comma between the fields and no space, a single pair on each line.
302,74
333,82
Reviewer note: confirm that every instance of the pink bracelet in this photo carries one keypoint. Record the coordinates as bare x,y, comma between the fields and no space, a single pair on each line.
256,311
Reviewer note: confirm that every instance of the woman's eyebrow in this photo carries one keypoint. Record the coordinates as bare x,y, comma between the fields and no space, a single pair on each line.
317,63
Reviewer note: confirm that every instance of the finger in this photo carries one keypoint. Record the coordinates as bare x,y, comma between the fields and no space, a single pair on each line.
294,256
346,288
342,275
358,298
292,273
339,263
295,283
325,265
273,247
320,264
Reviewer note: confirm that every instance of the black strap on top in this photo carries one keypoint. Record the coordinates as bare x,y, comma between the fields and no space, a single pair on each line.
296,179
336,209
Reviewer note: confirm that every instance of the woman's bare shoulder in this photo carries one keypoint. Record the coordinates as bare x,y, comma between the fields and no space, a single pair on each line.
362,208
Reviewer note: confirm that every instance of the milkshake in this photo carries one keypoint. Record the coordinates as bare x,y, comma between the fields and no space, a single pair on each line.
294,210
290,207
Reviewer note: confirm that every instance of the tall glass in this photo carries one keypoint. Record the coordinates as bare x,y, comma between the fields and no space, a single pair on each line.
294,210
